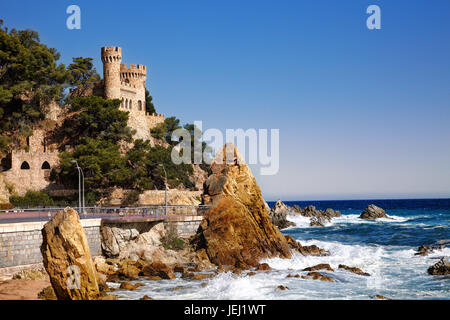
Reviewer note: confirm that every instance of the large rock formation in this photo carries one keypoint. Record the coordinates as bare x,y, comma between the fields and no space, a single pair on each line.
278,215
237,230
373,212
67,258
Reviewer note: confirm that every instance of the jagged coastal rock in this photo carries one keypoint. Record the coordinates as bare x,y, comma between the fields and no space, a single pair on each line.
67,258
318,218
237,230
440,268
278,215
373,212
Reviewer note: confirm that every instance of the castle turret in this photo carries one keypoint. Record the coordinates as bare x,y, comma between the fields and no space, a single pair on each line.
111,58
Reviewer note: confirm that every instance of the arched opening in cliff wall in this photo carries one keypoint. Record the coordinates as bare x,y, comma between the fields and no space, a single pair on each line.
45,166
6,163
25,166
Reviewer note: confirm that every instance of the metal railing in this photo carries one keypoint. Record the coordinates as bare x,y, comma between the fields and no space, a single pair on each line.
45,214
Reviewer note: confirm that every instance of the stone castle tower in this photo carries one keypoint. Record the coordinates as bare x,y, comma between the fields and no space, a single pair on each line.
128,85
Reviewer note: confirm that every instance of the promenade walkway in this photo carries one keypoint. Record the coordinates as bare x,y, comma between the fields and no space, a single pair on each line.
112,214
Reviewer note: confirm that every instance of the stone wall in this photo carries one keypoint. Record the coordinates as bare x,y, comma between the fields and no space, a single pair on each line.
20,242
30,168
183,229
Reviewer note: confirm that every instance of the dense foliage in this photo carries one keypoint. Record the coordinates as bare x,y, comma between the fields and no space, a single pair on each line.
99,130
149,106
30,78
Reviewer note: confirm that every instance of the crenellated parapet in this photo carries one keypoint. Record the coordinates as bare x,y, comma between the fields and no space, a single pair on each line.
127,83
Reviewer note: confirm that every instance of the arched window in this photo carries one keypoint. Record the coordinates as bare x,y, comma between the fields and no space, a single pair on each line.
122,103
139,105
25,166
45,165
126,103
131,104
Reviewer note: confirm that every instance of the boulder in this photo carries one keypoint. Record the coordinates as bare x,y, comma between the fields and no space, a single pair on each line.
47,294
278,215
237,230
128,270
373,212
158,269
440,268
263,267
128,286
67,258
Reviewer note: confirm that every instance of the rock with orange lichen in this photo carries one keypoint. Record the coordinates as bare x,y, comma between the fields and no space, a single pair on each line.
237,230
67,258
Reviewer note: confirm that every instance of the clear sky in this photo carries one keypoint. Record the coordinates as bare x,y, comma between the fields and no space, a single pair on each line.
362,113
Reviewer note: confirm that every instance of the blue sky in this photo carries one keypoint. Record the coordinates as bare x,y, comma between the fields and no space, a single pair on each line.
362,113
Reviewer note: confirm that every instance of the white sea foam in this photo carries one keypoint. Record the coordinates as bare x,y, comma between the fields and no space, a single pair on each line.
304,222
394,272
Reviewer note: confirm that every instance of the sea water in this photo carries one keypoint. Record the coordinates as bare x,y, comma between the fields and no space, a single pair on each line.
384,248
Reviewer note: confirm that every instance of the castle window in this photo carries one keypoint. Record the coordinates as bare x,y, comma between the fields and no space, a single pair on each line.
139,105
25,166
45,165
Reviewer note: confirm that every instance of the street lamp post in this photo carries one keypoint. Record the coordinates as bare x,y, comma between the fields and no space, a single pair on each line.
165,193
81,201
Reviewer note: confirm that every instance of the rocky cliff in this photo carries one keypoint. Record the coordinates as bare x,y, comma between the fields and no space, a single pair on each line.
237,230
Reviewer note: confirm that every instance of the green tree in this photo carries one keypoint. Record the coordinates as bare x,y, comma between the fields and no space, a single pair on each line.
95,117
102,164
165,129
149,106
30,78
146,172
83,73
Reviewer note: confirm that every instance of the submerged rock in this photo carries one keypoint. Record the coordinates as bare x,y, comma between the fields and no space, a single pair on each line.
237,230
319,267
354,270
380,297
318,276
281,287
373,212
67,258
426,250
312,250
440,268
